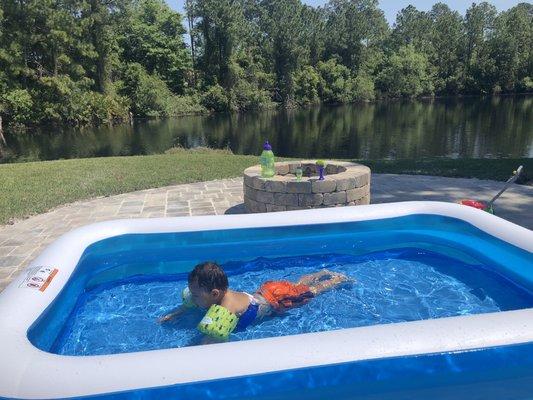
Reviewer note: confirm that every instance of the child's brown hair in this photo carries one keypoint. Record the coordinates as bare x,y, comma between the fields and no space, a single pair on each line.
208,275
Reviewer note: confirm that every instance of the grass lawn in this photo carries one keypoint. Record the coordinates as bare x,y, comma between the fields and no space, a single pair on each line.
36,187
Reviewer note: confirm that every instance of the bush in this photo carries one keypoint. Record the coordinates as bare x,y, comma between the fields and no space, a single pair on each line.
306,83
17,106
335,85
525,85
149,95
362,88
406,74
247,96
247,85
60,99
185,105
107,108
216,99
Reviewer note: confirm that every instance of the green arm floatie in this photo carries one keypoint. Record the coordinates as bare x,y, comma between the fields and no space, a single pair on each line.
218,322
186,296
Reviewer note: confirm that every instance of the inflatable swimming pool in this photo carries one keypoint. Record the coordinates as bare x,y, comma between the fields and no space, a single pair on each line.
483,352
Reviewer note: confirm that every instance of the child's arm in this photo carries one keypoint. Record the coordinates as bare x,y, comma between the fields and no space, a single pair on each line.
173,314
187,303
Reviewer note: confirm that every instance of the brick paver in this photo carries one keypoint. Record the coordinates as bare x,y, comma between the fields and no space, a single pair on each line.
24,240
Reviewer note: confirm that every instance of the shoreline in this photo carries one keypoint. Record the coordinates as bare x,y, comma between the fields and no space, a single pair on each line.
275,107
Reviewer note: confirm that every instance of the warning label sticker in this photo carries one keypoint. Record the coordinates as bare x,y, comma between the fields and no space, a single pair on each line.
38,278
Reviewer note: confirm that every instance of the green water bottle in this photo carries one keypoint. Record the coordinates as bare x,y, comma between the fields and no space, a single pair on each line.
268,169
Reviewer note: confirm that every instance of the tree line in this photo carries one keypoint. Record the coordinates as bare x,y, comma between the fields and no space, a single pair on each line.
102,61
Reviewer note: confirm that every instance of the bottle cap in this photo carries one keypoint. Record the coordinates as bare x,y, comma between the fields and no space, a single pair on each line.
267,146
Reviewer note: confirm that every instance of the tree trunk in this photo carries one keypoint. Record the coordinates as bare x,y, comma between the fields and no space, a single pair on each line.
190,20
99,42
2,138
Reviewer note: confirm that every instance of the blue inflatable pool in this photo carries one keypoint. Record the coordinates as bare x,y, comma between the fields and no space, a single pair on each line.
441,308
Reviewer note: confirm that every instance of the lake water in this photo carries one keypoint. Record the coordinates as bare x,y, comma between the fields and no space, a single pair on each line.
494,127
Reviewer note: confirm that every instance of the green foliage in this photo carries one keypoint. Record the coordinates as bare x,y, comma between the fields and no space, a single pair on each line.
512,46
17,105
285,27
338,84
249,89
447,36
355,28
479,25
246,96
97,61
412,27
150,96
61,99
216,99
153,38
406,74
100,108
185,105
220,24
525,85
363,88
335,82
306,84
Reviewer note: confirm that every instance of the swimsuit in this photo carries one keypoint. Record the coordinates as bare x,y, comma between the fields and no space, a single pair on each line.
273,295
282,295
248,316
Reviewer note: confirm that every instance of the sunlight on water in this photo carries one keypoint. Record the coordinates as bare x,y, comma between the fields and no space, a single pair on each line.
390,287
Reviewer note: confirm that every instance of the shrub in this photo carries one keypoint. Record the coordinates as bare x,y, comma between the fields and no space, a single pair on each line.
306,83
247,96
526,85
183,105
17,106
335,85
63,100
406,74
215,99
107,108
247,85
149,95
362,88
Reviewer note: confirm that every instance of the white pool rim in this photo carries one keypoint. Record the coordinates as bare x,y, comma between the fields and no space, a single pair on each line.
27,372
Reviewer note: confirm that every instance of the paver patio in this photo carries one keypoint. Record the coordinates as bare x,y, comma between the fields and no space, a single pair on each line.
21,242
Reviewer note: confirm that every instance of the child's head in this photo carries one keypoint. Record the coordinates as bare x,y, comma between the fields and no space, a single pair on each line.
208,284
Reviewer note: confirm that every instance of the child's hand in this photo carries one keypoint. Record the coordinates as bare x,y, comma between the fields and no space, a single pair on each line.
165,318
171,315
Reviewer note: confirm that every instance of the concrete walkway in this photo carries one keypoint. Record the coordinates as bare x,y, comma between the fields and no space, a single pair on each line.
21,242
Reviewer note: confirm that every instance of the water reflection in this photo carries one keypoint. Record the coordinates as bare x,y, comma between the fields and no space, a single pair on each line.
459,128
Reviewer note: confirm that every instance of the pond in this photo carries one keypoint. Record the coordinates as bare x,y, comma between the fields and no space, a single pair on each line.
472,127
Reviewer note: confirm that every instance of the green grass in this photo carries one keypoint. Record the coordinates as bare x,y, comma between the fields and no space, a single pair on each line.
36,187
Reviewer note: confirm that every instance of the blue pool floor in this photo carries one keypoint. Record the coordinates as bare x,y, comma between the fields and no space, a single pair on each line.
389,286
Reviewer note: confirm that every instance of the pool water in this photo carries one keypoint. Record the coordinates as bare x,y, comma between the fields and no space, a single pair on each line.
389,286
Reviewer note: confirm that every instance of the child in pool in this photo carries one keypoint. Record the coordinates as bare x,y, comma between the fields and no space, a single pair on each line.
229,310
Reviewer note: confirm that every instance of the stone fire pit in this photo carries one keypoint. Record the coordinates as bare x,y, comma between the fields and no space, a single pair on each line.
345,184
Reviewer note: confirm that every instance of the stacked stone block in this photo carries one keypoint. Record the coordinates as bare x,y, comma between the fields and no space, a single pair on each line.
345,184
